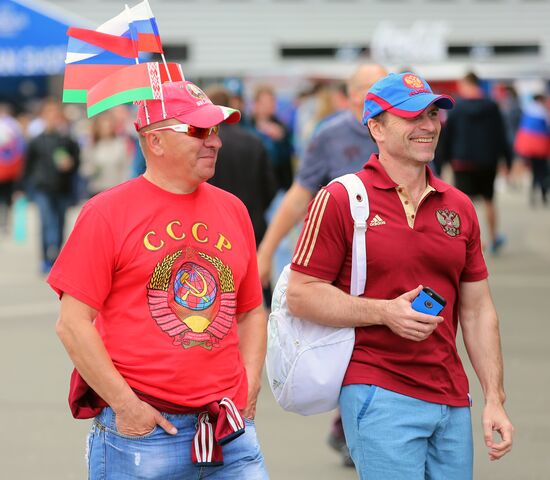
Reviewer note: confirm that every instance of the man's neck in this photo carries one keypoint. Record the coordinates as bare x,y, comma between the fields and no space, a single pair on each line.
412,176
169,183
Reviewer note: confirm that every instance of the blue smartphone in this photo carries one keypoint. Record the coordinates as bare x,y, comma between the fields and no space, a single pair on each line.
428,302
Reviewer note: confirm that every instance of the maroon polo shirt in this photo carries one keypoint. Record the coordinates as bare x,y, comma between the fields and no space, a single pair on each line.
437,246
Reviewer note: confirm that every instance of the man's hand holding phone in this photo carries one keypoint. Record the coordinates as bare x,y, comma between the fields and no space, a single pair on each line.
404,320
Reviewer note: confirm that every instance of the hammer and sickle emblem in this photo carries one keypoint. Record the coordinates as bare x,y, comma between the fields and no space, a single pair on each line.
191,288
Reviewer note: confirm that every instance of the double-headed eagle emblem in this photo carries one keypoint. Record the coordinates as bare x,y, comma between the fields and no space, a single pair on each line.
449,221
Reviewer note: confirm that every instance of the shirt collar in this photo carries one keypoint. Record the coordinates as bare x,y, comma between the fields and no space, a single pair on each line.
382,180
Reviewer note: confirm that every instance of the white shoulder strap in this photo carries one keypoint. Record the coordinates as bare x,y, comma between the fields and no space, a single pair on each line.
359,208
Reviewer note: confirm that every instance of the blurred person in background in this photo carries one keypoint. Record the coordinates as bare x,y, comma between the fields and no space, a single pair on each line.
533,144
277,139
12,145
509,104
335,101
243,169
341,145
237,102
123,122
315,107
305,117
51,162
106,161
474,141
508,100
274,134
405,399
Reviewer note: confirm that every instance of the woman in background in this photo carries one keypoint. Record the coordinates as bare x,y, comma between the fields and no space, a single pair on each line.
106,162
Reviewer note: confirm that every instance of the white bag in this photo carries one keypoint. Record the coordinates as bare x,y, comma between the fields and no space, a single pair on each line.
306,362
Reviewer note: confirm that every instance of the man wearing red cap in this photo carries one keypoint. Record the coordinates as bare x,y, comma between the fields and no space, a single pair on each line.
161,308
405,403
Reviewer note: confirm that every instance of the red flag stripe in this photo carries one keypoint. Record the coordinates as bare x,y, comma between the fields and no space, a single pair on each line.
113,43
149,42
85,76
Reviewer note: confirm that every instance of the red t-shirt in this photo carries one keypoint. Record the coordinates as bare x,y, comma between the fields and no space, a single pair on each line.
168,274
442,250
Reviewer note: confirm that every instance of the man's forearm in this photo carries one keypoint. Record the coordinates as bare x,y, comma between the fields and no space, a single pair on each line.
252,345
89,355
326,304
480,330
482,341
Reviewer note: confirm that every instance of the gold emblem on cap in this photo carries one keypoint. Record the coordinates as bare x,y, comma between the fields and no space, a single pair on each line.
196,92
412,81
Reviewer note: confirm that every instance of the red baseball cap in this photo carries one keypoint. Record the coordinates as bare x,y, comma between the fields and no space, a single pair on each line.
187,103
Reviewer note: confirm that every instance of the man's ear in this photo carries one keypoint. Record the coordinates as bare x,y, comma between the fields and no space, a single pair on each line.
154,143
375,128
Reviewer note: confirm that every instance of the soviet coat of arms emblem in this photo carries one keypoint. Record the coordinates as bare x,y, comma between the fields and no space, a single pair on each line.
191,296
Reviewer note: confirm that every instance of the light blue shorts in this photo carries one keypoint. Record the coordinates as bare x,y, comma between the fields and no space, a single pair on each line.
158,455
392,436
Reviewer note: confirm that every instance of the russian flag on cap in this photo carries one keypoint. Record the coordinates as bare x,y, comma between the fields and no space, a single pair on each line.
82,45
93,55
143,28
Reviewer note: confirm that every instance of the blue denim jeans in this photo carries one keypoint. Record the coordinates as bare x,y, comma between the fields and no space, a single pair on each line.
392,436
53,209
158,455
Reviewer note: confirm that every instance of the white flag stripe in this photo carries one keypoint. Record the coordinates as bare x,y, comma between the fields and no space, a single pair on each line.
148,7
116,25
140,11
76,57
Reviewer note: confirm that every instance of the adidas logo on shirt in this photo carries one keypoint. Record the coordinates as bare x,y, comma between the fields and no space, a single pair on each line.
377,221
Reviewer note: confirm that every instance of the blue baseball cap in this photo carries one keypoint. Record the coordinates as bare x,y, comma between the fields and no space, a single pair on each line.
405,95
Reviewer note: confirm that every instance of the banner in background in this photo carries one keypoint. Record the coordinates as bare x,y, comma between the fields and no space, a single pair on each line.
33,39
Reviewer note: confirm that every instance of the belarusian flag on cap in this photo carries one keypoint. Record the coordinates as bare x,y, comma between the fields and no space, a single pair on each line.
138,82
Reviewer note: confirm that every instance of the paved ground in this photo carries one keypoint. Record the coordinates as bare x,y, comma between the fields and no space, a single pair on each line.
40,440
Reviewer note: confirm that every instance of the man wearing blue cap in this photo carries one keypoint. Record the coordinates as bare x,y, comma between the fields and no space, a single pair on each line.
405,400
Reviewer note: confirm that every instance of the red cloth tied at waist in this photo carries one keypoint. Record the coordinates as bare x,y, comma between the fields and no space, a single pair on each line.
218,423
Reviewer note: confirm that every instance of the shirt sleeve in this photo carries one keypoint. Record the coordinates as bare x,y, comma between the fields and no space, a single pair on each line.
85,266
323,243
475,268
313,171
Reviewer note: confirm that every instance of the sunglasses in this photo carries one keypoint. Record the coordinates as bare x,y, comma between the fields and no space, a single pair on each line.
196,132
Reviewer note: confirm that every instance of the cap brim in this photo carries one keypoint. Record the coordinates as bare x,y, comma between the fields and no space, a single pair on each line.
416,104
210,115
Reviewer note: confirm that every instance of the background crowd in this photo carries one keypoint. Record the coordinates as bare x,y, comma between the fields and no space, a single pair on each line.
54,156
